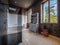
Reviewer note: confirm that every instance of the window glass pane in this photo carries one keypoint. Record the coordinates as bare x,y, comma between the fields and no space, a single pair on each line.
53,11
45,14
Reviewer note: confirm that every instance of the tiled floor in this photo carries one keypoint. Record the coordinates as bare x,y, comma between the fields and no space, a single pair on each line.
30,38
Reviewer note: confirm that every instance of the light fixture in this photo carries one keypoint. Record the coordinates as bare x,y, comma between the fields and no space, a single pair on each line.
15,1
12,8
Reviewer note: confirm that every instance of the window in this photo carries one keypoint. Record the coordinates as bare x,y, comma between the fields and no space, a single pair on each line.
53,11
29,15
49,12
45,8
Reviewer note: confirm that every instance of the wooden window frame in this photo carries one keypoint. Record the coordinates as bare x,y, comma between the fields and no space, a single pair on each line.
42,4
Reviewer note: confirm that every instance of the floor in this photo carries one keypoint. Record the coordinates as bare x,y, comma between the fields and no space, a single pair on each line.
31,38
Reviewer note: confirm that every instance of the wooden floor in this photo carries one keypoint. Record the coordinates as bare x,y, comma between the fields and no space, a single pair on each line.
30,38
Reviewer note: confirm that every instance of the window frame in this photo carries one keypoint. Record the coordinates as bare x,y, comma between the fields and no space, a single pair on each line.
42,11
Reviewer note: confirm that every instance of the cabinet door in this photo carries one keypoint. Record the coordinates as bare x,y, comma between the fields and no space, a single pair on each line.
12,39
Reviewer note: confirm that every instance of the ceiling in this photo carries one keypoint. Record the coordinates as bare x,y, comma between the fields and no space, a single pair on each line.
4,1
19,3
22,3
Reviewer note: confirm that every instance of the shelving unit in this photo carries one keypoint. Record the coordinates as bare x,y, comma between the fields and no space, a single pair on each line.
34,22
